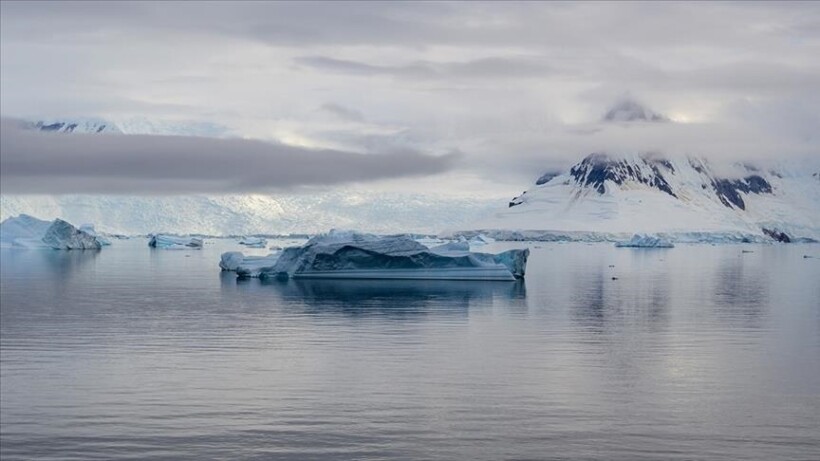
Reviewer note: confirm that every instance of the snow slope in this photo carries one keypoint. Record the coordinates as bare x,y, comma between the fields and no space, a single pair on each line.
607,197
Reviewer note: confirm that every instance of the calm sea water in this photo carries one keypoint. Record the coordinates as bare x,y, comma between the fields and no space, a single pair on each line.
698,352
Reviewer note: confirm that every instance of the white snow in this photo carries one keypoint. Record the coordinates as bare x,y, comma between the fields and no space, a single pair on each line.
645,241
172,242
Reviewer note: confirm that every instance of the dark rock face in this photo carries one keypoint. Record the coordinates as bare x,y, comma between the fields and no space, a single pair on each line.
777,236
51,127
595,169
63,127
728,190
628,110
517,200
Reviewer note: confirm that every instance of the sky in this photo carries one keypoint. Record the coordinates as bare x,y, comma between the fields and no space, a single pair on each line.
461,98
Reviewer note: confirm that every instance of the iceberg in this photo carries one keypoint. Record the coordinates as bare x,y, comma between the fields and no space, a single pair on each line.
353,255
480,240
170,242
23,231
28,232
246,266
645,241
63,236
253,242
89,229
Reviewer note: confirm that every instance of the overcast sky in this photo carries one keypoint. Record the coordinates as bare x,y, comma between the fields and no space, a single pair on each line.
503,91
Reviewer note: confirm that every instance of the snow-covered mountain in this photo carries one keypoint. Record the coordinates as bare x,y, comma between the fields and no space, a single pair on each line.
133,125
605,197
75,126
352,206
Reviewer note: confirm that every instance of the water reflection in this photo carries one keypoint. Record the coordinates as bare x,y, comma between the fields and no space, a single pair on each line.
384,297
602,302
741,292
52,264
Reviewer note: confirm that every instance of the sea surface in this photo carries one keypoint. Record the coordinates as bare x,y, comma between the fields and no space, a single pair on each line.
697,352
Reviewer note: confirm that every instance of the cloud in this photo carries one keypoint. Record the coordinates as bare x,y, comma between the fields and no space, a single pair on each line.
36,162
512,85
488,67
342,112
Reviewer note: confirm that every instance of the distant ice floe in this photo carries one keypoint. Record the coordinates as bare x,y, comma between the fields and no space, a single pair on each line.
480,240
89,229
645,241
353,255
247,266
171,242
28,232
253,242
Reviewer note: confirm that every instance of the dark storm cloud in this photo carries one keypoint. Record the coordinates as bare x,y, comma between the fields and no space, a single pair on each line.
36,162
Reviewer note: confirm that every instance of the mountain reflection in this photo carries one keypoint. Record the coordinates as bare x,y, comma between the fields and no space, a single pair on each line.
741,292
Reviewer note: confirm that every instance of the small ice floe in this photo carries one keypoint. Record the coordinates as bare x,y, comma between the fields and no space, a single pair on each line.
645,241
89,229
253,242
247,266
172,242
480,240
353,255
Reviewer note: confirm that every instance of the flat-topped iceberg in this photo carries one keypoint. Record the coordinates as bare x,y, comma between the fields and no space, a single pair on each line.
171,242
352,255
645,241
63,236
246,266
253,242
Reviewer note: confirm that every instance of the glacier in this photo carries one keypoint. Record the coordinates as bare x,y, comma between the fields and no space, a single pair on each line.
356,205
354,255
645,241
172,242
